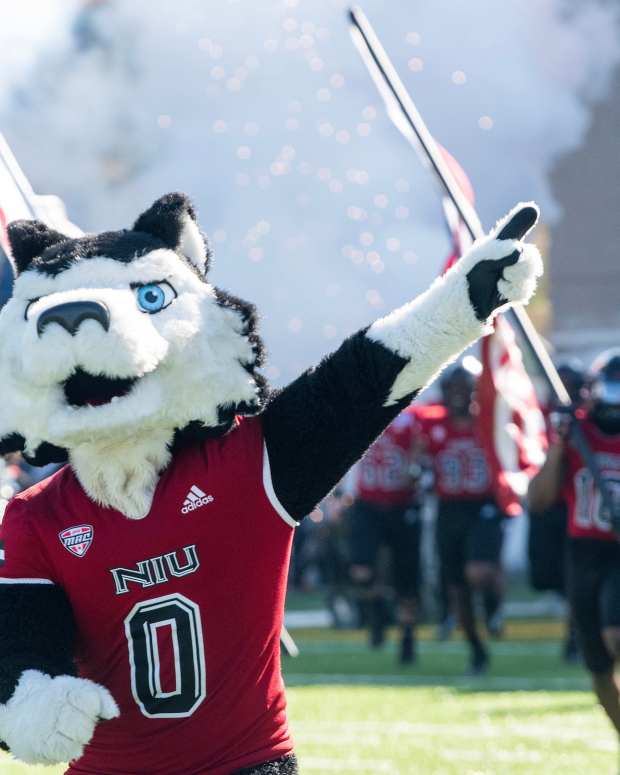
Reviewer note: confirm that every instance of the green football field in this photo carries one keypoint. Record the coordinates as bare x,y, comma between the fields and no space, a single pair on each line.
355,711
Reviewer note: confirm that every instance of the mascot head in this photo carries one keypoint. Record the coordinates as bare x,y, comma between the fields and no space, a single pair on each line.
114,347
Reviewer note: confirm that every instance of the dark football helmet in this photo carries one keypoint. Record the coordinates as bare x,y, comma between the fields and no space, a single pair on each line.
604,391
458,384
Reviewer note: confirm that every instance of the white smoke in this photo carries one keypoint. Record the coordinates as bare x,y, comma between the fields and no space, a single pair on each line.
25,30
264,114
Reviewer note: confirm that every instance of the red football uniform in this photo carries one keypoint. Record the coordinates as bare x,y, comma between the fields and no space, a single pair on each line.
384,473
460,464
583,498
178,614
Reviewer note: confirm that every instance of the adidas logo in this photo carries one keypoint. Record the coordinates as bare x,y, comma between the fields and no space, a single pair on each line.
195,499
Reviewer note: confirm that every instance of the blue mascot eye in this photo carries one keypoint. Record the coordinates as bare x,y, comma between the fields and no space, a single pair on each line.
154,297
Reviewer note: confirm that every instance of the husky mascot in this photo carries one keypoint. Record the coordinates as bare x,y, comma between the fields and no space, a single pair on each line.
142,585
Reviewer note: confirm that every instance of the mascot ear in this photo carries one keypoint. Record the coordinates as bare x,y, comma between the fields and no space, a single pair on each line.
28,239
172,219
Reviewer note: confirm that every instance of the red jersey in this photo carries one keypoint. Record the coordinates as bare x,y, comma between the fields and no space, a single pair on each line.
178,614
384,473
582,496
460,464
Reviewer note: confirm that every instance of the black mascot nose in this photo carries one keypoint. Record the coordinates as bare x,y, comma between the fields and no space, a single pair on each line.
72,314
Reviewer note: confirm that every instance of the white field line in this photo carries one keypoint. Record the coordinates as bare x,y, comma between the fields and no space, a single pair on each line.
499,682
507,648
476,753
543,607
422,734
348,765
471,750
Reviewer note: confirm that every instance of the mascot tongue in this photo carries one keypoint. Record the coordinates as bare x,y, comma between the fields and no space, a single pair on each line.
96,402
84,389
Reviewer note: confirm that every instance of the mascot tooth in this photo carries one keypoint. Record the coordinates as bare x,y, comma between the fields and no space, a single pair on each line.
142,585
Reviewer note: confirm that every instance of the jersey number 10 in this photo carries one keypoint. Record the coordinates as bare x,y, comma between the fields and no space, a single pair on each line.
589,502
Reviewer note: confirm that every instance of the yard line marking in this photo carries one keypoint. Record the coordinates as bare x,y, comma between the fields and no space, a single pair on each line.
534,648
578,683
369,733
352,765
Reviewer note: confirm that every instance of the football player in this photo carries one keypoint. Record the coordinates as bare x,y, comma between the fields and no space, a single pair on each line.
547,531
386,512
469,521
593,550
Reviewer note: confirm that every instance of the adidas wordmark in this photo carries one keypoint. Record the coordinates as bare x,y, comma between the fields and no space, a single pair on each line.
195,499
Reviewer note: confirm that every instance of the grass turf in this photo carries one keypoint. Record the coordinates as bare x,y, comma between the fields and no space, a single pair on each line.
356,711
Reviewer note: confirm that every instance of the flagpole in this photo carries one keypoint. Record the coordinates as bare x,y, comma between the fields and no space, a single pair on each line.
289,645
398,99
22,184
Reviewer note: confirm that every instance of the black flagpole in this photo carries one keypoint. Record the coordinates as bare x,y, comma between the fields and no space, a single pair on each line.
408,120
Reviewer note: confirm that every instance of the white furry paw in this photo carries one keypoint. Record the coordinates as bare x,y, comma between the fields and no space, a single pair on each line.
50,720
501,269
518,282
458,308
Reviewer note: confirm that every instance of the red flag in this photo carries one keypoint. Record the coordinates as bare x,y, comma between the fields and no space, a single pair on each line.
4,239
459,235
512,425
511,421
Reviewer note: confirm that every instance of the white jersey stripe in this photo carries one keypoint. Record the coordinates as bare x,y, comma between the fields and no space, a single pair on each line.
197,491
26,581
273,498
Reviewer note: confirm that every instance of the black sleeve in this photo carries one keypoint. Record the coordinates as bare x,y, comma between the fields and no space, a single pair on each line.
37,632
323,422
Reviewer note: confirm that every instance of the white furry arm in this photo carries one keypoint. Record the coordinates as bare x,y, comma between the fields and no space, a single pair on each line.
322,423
50,720
429,331
458,308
